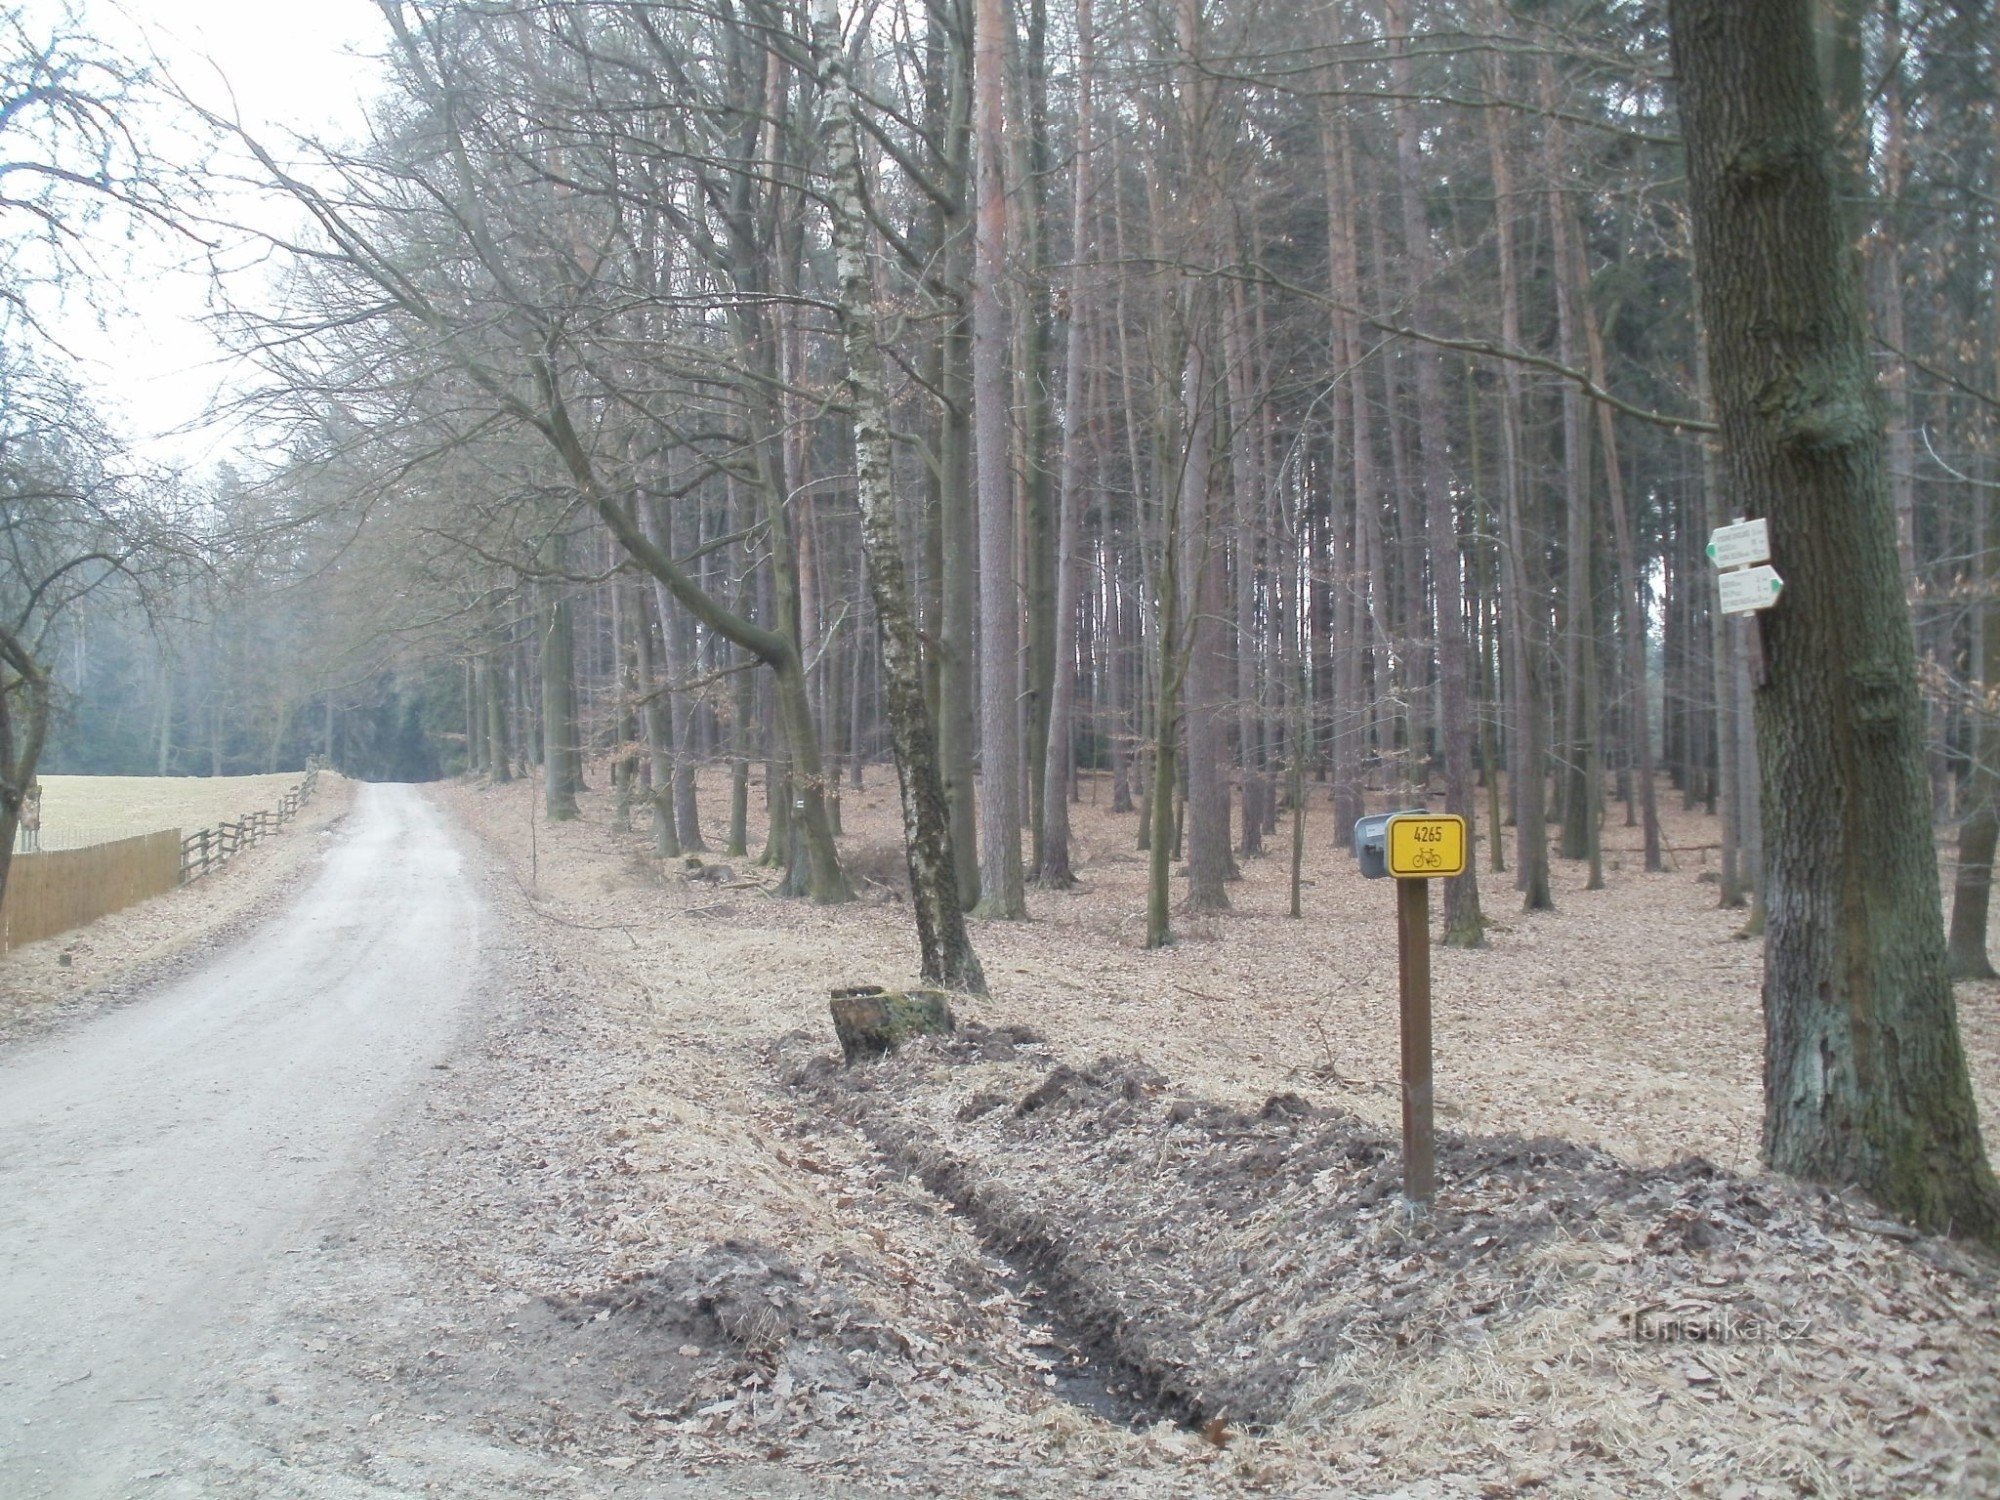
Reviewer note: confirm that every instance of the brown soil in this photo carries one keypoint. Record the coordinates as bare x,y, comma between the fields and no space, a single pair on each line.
1203,1225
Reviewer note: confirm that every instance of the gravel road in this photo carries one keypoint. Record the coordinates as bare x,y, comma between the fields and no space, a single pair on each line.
161,1162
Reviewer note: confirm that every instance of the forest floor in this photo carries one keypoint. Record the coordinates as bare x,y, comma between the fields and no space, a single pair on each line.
44,983
1136,1230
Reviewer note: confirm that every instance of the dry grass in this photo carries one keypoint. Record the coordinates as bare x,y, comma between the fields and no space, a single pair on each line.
101,808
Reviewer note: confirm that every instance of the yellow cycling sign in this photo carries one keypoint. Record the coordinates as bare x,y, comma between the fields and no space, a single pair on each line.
1426,846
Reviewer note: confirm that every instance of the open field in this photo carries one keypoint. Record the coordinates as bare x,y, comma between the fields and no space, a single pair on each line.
80,810
43,982
125,805
1166,1181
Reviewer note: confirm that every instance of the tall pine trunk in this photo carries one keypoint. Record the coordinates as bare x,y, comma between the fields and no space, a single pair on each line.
1001,882
1464,926
1057,771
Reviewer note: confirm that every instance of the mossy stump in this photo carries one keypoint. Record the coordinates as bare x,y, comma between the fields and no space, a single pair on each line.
871,1021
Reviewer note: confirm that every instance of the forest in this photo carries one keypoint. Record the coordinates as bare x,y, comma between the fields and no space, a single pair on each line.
982,522
1279,412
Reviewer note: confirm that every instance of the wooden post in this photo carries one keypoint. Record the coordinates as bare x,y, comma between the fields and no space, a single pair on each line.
1413,953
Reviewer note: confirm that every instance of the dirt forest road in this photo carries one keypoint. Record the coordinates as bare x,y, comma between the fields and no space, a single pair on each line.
162,1164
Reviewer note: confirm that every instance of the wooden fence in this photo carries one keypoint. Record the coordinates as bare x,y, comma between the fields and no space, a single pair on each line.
207,848
53,892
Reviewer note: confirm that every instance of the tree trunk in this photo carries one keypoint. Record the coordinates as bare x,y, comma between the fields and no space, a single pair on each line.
1582,787
500,750
658,728
1054,869
1464,926
24,727
1247,481
1865,1075
1972,887
948,958
1632,593
1001,880
558,693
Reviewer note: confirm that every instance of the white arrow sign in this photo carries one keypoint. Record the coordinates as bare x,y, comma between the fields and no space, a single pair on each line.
1750,589
1745,542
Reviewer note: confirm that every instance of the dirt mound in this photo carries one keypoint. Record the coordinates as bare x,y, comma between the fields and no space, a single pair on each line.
743,1296
738,1332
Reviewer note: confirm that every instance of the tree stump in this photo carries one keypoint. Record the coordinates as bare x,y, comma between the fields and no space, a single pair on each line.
871,1021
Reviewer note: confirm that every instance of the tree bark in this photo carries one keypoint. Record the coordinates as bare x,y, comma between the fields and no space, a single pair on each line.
1057,770
1526,647
948,958
1632,593
1979,833
1001,880
24,727
658,728
1582,785
1865,1075
558,658
1464,925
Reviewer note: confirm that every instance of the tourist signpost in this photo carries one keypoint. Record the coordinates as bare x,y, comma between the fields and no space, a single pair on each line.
1414,848
1743,550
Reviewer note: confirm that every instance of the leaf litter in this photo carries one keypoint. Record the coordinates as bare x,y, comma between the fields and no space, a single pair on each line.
605,1200
1171,1180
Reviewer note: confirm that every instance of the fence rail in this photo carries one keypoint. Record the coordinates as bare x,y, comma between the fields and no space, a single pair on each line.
52,892
209,848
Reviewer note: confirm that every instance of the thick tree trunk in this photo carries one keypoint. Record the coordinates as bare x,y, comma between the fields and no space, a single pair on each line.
958,718
1632,595
1159,809
1734,743
1582,786
1972,886
1039,525
1526,652
1201,566
948,958
625,712
1865,1075
475,717
1247,481
500,750
1352,601
678,647
24,727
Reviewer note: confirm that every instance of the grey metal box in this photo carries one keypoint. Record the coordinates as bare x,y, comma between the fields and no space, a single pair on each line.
1371,844
1371,841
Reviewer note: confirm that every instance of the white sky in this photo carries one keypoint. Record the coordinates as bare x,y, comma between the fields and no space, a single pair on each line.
293,67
